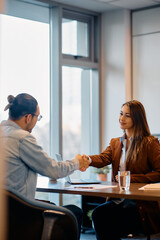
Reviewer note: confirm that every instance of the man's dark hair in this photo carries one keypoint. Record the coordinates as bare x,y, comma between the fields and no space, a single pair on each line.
21,105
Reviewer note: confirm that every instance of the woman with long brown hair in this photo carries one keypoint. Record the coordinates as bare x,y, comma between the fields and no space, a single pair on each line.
139,152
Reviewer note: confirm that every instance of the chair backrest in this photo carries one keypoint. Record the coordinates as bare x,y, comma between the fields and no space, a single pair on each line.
34,220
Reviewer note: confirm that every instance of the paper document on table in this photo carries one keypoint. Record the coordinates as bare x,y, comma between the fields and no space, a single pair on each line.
151,186
91,186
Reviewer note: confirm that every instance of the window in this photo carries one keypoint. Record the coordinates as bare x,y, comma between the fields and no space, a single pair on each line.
76,43
77,122
77,35
71,111
24,67
80,92
80,88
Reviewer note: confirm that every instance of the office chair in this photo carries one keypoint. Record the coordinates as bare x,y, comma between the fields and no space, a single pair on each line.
35,220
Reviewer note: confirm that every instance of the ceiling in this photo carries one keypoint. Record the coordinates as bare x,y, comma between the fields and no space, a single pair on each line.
107,5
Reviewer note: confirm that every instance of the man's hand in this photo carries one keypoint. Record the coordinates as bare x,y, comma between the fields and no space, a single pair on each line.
83,162
117,178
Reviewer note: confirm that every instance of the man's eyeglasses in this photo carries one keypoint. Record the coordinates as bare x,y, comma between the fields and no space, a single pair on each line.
39,117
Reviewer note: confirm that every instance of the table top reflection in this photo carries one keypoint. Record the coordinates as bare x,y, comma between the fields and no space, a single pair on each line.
45,184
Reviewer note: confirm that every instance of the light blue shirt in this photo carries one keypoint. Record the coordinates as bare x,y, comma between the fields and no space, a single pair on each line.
25,158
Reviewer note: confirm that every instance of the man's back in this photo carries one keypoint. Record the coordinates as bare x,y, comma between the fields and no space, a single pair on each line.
18,175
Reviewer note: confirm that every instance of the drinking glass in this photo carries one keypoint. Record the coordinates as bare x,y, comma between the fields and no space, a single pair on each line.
124,180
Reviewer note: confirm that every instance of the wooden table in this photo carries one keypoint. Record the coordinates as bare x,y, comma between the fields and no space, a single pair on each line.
46,185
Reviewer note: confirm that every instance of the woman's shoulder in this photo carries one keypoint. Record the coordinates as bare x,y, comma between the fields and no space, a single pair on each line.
151,140
116,140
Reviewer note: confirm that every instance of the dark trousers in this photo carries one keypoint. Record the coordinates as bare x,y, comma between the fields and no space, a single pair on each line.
78,214
115,220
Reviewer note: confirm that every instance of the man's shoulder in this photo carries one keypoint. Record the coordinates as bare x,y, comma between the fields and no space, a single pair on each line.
9,129
21,134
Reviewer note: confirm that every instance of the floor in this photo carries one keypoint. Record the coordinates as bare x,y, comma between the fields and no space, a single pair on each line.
90,235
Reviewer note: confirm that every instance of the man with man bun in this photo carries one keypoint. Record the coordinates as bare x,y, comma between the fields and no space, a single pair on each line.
24,157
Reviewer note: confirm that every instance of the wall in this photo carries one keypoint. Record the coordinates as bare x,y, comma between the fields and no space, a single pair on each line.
116,71
146,63
30,11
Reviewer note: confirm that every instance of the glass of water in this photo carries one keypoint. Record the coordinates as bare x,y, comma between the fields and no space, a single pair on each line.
124,180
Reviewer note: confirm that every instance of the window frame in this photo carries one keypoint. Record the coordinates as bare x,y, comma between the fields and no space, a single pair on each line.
90,21
57,61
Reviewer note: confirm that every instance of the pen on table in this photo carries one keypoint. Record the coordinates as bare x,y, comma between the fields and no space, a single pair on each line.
84,187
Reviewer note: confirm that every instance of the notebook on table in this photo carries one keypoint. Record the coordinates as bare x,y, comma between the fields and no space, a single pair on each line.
76,181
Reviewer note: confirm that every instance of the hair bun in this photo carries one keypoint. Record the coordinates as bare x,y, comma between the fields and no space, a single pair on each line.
10,98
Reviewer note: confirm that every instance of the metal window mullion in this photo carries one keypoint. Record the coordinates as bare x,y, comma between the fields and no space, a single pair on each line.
56,81
94,113
55,88
91,40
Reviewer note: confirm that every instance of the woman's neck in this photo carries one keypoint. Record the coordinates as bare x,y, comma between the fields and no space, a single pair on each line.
129,133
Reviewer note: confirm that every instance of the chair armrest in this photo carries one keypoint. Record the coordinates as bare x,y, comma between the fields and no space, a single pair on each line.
50,218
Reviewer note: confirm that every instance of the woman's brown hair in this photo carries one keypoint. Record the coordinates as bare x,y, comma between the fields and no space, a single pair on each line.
140,129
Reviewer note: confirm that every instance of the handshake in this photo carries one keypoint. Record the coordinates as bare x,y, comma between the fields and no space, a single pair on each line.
83,162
